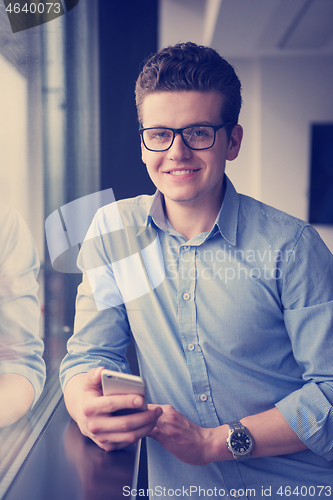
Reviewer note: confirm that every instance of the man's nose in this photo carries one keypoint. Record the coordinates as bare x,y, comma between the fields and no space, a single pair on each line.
179,150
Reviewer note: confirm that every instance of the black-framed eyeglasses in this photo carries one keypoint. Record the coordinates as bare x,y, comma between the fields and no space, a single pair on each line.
196,137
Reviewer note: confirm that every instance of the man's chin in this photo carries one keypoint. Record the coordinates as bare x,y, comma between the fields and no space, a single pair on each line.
182,199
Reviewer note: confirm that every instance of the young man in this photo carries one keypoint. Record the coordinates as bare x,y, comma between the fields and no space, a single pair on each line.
234,329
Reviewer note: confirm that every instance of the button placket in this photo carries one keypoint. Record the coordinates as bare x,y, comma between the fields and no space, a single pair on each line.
186,303
188,329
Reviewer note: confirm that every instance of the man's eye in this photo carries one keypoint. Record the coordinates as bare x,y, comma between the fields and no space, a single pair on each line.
193,134
160,135
200,132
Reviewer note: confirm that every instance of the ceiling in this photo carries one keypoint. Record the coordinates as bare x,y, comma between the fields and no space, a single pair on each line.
250,28
236,28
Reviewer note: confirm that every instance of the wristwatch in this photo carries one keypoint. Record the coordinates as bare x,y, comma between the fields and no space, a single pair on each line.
239,442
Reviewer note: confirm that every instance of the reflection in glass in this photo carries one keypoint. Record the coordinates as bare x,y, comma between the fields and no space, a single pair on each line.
22,369
49,154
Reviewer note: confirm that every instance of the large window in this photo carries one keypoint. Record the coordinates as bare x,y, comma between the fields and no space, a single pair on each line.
49,156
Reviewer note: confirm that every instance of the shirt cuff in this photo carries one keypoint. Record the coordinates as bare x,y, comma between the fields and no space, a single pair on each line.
309,413
66,373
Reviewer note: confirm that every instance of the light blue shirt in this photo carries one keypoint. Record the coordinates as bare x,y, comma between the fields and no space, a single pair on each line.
228,324
21,348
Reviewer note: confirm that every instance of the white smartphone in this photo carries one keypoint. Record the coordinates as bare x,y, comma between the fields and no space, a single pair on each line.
122,383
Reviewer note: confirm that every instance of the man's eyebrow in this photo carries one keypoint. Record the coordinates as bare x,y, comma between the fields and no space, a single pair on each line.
196,124
205,122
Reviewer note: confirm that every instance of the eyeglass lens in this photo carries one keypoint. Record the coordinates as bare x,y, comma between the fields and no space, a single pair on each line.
160,139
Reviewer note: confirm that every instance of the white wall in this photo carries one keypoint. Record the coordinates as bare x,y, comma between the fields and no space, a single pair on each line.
21,177
13,138
282,97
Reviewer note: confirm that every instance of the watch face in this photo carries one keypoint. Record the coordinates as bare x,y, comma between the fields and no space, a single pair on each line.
240,442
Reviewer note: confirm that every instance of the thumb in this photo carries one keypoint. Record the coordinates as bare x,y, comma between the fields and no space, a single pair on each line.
94,378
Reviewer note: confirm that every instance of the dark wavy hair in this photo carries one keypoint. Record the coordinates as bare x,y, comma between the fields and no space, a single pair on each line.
187,66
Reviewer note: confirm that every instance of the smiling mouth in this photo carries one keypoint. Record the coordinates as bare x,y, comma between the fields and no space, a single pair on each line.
181,172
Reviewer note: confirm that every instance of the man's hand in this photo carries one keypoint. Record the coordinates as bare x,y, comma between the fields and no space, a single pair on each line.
187,441
93,412
196,445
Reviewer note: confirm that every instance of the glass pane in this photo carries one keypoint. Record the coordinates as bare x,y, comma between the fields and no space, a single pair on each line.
49,152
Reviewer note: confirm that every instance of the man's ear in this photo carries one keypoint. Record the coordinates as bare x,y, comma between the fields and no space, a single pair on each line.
235,142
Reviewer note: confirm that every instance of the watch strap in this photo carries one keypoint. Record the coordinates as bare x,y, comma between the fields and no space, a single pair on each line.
236,425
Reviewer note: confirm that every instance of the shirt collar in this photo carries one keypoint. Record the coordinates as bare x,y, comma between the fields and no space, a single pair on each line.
226,221
156,214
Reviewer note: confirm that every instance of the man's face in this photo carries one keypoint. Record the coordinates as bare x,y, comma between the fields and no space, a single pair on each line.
184,175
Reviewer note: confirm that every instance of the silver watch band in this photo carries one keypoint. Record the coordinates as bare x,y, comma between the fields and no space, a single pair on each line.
236,425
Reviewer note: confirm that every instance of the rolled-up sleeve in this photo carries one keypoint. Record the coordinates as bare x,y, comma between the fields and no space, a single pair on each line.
308,315
101,329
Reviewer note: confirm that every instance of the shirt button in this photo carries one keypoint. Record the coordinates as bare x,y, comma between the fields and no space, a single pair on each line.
203,397
234,494
186,296
190,347
186,247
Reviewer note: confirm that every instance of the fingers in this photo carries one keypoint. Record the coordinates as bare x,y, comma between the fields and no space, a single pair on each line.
115,432
106,405
110,431
123,423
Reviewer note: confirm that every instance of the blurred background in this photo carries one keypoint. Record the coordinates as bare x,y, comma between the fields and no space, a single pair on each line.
68,122
283,53
68,125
